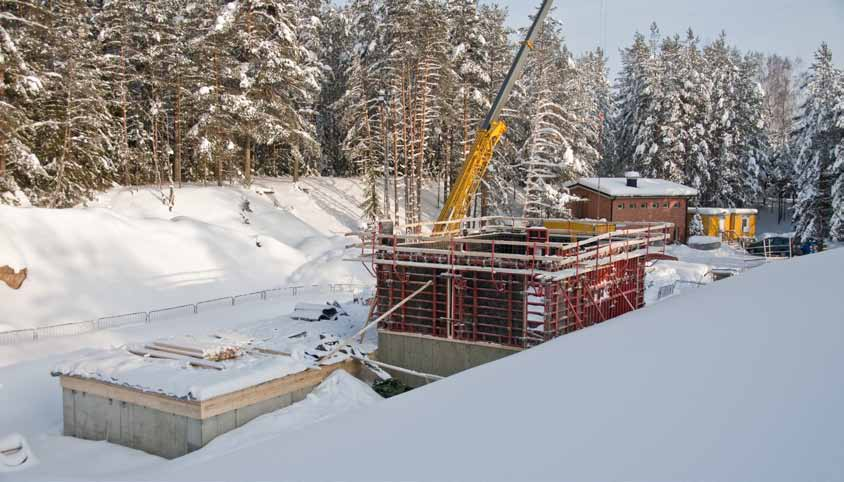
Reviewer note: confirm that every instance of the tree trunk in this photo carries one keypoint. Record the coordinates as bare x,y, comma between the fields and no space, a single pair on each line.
395,166
295,164
247,162
386,163
125,141
177,126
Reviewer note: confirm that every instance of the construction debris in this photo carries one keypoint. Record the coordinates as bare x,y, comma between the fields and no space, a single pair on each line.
317,312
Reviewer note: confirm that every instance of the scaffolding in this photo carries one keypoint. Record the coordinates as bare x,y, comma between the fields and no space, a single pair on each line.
510,281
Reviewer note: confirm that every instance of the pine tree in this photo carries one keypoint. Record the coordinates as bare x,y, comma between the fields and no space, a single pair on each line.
556,148
816,139
21,87
837,169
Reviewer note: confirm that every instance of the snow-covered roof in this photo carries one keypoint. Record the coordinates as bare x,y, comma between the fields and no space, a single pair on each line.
719,211
669,392
646,187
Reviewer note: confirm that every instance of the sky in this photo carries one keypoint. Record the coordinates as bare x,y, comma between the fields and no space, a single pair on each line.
787,27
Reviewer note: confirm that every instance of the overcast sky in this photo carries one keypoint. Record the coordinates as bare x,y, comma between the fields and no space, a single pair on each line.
788,27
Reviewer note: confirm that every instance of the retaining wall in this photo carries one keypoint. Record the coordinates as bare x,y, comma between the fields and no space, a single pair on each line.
433,355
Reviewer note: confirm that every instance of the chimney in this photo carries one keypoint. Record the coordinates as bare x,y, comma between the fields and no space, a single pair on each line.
632,178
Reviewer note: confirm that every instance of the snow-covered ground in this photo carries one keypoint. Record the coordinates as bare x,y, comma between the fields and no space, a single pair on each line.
739,382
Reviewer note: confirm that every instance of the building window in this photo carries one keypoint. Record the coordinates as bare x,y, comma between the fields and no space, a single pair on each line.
655,205
745,225
644,205
632,205
621,206
665,205
676,204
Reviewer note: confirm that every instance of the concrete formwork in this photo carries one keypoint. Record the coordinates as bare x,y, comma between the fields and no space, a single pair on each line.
432,355
170,427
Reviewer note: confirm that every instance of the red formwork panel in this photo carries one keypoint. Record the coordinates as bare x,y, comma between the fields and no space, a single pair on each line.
513,310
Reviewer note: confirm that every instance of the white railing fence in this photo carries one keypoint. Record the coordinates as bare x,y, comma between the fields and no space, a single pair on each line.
30,335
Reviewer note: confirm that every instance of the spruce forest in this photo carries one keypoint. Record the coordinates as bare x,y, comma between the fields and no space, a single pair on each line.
95,94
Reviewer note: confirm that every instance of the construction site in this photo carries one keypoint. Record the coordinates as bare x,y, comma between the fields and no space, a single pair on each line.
444,297
505,285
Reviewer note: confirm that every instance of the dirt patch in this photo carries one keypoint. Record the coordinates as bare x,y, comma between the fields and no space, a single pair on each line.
11,277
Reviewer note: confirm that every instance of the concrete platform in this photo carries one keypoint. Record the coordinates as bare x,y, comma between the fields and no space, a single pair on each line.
172,427
434,355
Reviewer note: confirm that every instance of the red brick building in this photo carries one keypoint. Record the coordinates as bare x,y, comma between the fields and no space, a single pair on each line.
632,198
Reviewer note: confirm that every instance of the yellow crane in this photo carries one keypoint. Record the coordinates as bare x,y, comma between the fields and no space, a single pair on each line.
464,189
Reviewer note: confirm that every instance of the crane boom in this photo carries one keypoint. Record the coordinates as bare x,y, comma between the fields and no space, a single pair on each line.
457,204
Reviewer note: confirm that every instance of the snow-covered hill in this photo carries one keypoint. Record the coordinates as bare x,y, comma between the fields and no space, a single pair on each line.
740,381
128,252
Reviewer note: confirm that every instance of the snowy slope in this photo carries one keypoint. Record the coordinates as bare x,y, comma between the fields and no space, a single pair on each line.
677,391
127,252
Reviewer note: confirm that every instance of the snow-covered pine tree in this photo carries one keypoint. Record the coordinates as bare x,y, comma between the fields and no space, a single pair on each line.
751,138
21,85
75,128
593,66
634,99
837,154
337,41
549,154
816,138
469,69
584,97
780,101
696,225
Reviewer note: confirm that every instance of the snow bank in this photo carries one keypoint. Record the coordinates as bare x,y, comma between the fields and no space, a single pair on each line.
669,392
724,258
127,252
10,254
683,276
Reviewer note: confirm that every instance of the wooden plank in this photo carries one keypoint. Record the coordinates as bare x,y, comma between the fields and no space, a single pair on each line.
272,389
197,362
185,408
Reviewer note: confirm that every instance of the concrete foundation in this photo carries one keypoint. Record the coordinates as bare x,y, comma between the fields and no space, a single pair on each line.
436,356
170,427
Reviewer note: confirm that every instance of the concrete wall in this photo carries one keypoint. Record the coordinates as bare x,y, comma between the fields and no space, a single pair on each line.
436,356
94,417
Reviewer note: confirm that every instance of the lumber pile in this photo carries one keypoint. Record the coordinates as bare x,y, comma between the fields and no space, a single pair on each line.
199,352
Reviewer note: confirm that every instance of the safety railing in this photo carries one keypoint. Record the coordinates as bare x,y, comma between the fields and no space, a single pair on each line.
174,312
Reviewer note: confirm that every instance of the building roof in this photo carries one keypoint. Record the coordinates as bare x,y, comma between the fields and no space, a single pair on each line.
617,187
719,211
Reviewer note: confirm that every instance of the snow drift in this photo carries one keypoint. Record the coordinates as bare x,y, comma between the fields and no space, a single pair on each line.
676,391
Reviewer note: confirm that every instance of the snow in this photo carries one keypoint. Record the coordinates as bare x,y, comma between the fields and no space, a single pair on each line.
698,240
675,391
10,254
127,252
720,211
681,275
176,378
617,186
227,16
726,258
15,453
